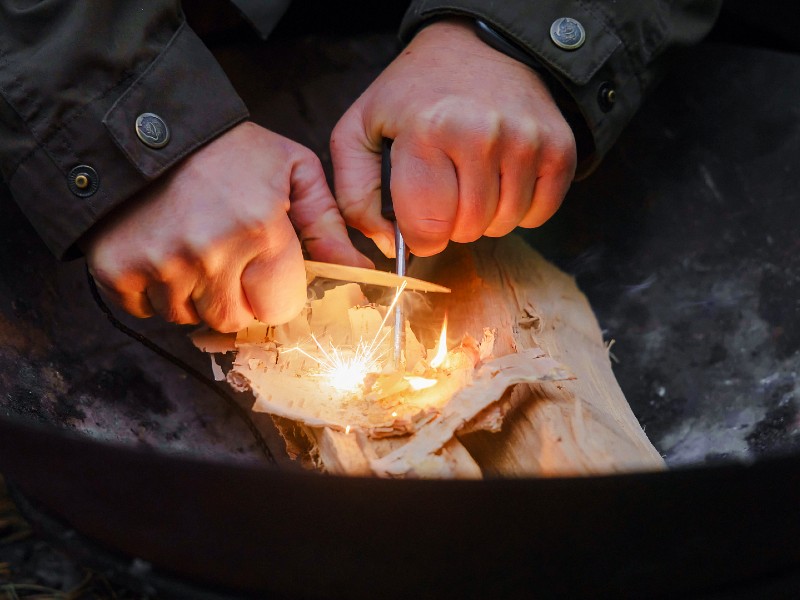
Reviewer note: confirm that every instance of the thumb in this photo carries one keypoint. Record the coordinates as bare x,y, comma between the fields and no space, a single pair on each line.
357,176
314,214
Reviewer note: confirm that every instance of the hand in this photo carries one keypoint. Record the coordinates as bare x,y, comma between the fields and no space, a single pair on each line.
480,147
213,240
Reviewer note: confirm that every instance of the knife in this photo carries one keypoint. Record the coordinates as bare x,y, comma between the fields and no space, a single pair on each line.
336,272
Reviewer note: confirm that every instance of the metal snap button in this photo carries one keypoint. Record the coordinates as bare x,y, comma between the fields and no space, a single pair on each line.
83,181
152,130
606,96
567,33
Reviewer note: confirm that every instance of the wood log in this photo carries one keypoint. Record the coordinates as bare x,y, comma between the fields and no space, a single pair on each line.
564,415
576,427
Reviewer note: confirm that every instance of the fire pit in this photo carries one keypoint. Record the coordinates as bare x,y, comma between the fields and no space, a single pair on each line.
688,253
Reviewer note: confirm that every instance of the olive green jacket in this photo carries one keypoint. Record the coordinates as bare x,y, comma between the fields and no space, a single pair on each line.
76,75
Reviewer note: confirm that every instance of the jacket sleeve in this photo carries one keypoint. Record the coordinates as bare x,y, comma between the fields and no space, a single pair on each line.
74,79
622,51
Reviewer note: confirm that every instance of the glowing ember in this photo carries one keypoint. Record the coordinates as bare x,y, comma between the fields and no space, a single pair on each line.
441,349
420,383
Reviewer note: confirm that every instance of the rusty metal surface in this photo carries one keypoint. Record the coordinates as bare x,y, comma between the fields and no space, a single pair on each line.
280,534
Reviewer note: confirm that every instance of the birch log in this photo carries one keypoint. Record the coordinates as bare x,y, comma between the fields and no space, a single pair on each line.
578,427
537,397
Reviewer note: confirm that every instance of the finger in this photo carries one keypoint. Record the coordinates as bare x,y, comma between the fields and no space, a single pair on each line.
316,217
171,282
556,171
274,282
173,303
425,193
517,184
134,303
357,178
548,195
220,301
478,194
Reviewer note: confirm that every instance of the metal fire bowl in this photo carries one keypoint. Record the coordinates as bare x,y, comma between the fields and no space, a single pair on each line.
685,241
254,529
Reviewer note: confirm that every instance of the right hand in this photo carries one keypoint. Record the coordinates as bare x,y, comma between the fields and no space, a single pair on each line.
213,240
480,145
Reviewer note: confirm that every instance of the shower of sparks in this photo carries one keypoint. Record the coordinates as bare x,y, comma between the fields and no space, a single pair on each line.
345,368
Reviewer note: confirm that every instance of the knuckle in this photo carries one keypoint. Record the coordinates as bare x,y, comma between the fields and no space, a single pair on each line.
305,155
561,149
562,158
527,132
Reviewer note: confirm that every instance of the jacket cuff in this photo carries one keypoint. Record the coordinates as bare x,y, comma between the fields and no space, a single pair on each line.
104,138
585,74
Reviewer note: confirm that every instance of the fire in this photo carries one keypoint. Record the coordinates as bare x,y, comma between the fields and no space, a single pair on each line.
346,368
420,383
441,349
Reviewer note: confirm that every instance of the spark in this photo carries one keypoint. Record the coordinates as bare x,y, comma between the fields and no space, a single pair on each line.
345,368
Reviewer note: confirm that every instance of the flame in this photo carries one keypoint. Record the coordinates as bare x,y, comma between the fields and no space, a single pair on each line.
420,383
441,350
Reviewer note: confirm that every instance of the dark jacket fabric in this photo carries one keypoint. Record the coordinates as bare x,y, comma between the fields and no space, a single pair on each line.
75,75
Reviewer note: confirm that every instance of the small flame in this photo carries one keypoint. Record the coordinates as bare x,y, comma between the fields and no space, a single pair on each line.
420,383
441,349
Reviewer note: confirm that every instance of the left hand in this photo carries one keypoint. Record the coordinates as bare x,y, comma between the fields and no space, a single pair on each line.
480,147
